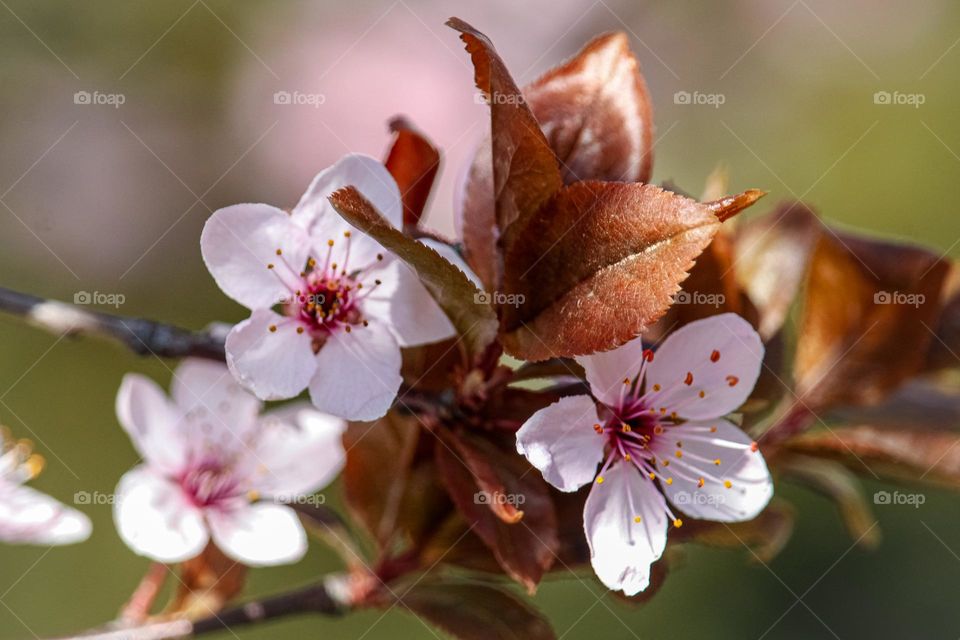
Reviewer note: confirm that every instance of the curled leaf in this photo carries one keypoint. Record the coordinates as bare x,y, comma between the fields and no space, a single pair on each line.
523,168
459,298
413,162
596,113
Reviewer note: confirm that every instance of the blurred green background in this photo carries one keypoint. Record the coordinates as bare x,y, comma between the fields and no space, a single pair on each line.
110,199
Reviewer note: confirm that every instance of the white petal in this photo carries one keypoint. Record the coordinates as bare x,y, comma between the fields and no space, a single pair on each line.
299,451
560,441
273,365
152,422
155,518
750,484
358,373
260,534
722,354
238,243
208,394
315,213
404,304
30,517
607,370
622,549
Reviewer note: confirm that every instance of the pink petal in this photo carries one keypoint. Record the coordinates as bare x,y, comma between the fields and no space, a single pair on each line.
261,534
315,213
238,243
299,451
152,422
358,373
273,365
720,356
607,370
402,302
30,517
622,549
213,403
750,484
560,441
155,519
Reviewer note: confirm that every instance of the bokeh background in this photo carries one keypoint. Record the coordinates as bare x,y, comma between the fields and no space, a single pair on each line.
112,199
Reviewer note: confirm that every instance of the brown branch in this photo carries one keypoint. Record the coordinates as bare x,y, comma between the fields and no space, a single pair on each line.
139,335
323,598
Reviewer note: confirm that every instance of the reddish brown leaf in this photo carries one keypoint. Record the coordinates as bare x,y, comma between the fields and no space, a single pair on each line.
413,162
523,167
771,255
868,309
387,488
945,349
834,481
507,504
765,536
927,456
478,220
596,113
453,291
477,612
711,289
597,266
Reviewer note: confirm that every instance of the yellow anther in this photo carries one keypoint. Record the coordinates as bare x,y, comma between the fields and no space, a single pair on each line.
727,484
636,519
669,481
599,479
273,328
678,523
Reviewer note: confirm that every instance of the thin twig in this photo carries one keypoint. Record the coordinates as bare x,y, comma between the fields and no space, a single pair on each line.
139,335
323,598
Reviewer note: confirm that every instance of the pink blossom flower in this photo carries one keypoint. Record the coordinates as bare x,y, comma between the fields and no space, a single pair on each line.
331,308
26,515
656,426
214,468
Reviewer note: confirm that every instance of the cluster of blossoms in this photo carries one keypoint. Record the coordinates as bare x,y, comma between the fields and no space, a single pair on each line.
330,311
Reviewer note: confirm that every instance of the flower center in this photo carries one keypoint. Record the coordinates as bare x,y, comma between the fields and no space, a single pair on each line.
209,483
18,463
328,302
323,297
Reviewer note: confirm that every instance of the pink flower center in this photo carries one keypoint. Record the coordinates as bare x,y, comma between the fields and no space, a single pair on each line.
209,483
324,297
